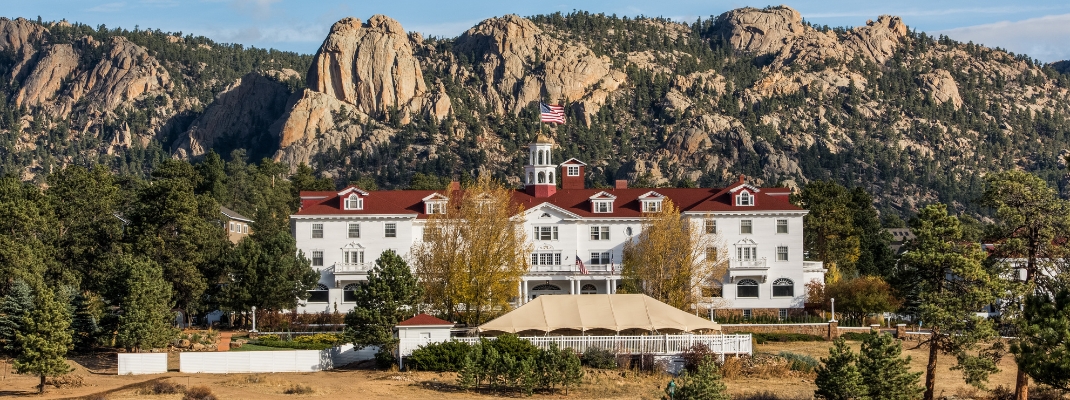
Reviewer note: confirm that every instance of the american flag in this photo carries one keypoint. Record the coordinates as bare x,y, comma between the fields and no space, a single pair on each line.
551,113
579,263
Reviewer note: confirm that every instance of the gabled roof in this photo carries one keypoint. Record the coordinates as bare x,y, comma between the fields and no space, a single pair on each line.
425,320
435,197
573,161
651,195
352,189
233,215
603,195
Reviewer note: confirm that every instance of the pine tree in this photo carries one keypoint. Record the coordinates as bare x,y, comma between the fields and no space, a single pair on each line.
44,338
146,316
84,326
838,377
1043,348
886,375
15,305
704,384
387,298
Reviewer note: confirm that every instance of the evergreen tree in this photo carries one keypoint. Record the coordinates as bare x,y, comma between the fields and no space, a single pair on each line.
838,377
830,232
387,298
875,257
946,278
146,319
265,270
885,374
704,384
44,338
1043,346
16,304
85,203
84,326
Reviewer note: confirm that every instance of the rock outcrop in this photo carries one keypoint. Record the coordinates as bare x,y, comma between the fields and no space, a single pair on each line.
371,66
43,83
18,36
241,113
520,64
126,73
941,85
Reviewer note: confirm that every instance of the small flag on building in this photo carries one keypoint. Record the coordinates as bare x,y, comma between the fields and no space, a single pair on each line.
551,113
579,263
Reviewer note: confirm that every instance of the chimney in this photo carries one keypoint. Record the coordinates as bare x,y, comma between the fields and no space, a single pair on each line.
621,184
742,179
455,186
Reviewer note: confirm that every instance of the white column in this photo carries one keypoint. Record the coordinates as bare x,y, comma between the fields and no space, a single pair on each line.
520,293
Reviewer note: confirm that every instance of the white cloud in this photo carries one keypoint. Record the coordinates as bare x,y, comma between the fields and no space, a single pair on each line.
271,37
1043,38
108,7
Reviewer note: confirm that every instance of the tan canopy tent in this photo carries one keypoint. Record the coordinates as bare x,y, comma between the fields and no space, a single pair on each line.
598,312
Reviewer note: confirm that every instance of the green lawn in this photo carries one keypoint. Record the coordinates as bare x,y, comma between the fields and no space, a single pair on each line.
256,347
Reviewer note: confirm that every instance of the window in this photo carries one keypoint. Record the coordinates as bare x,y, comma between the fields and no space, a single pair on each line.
711,253
747,314
545,233
747,288
602,206
354,230
599,258
354,257
317,231
436,207
628,231
744,199
546,258
391,229
782,314
245,229
781,226
746,253
319,295
782,253
348,295
573,170
232,227
353,202
711,226
599,233
745,226
652,206
588,288
317,258
783,287
542,177
551,174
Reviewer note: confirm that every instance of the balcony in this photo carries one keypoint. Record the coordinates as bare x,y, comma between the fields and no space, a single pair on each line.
344,269
752,268
813,266
574,269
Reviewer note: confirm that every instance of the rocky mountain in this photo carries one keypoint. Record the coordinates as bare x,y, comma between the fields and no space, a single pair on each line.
912,118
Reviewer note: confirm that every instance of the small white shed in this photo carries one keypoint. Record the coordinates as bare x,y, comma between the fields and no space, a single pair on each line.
421,330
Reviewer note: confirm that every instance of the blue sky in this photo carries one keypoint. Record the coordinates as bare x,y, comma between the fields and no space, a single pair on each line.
1039,28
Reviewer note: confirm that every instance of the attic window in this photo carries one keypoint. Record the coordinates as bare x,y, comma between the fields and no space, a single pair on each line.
354,202
545,215
436,207
602,206
573,170
745,199
651,206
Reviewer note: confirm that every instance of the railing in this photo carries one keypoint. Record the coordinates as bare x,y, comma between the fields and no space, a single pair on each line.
353,268
654,344
813,265
758,263
603,268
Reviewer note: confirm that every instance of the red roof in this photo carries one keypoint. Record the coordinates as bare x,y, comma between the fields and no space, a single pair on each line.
576,201
424,320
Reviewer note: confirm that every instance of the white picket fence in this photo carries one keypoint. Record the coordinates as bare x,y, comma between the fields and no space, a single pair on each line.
271,361
142,363
654,344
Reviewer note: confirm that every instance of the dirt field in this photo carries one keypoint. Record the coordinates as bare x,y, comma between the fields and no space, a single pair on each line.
365,384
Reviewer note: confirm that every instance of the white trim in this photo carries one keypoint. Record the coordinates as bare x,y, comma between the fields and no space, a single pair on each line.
351,189
745,185
603,195
574,161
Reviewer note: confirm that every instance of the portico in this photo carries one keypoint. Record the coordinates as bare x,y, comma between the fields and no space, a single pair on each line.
533,286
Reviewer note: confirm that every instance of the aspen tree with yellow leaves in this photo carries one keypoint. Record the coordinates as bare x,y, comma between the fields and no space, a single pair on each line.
674,259
472,256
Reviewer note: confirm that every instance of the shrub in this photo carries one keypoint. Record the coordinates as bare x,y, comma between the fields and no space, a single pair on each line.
165,387
290,344
445,356
298,388
384,358
512,345
199,393
319,338
762,338
703,384
695,355
856,336
595,357
732,368
799,362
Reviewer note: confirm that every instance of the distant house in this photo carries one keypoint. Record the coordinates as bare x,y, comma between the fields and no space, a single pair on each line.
900,236
237,225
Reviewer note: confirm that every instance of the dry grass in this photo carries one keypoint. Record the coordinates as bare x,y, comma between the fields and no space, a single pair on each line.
298,388
199,393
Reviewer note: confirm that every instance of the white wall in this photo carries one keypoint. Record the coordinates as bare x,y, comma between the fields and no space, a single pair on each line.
271,361
142,363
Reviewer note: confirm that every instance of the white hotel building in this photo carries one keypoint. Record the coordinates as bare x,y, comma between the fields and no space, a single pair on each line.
343,233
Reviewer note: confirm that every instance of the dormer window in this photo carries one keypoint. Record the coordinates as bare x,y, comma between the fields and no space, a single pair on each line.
651,206
744,198
573,170
436,207
602,206
354,202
